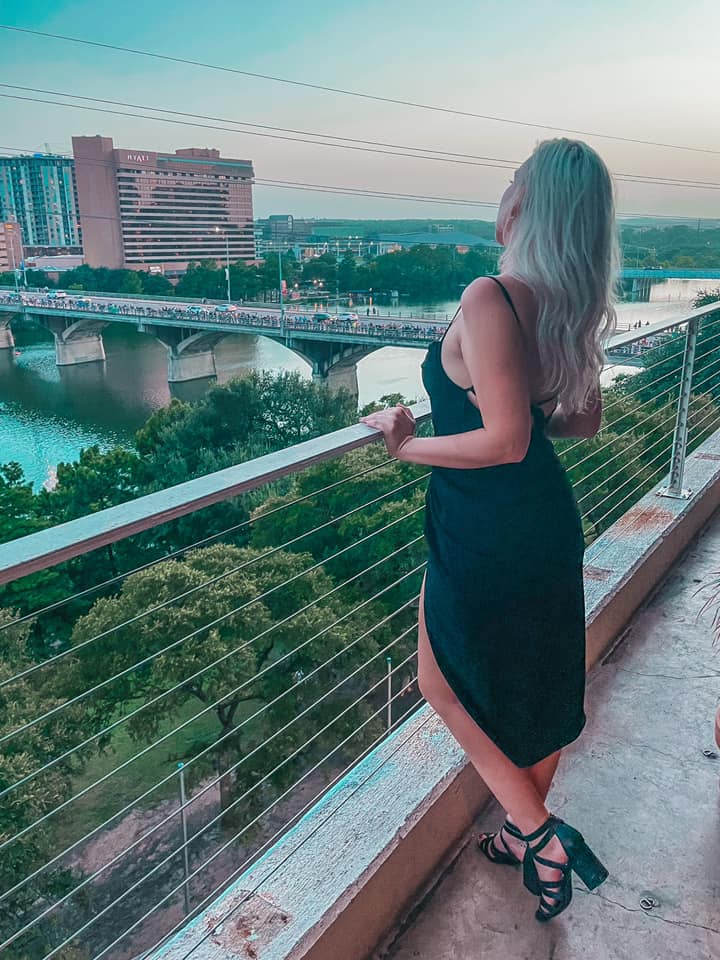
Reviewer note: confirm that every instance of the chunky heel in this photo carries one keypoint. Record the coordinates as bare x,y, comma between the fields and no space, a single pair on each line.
556,895
586,865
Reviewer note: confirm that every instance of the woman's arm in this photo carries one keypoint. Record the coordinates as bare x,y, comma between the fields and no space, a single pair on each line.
493,352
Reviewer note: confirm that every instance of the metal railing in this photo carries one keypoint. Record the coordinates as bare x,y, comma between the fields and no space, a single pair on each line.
176,691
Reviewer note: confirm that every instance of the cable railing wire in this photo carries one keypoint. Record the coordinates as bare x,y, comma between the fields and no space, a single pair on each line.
88,591
66,803
141,663
224,812
209,897
624,449
597,522
220,740
287,857
232,840
348,93
203,866
130,760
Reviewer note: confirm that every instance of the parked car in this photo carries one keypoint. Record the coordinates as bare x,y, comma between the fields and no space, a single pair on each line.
57,295
349,317
321,317
226,308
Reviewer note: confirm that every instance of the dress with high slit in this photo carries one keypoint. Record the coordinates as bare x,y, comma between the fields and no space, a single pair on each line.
503,601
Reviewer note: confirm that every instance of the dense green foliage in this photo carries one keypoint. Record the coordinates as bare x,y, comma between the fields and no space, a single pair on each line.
419,273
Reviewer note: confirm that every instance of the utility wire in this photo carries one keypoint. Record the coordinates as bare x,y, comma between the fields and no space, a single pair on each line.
353,93
368,192
323,139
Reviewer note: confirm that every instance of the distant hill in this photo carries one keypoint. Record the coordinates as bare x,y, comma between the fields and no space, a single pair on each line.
370,228
481,228
662,223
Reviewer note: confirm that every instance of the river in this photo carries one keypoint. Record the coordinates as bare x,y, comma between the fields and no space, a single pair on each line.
49,413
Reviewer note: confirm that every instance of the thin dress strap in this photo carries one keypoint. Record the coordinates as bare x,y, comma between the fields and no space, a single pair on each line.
450,324
510,303
509,300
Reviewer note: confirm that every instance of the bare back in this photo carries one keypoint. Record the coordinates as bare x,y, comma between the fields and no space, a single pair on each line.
525,305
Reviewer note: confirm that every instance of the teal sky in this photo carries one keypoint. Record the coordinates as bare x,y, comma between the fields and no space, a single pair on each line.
637,69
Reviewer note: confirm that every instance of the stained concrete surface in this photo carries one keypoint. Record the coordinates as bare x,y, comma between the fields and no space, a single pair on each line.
639,787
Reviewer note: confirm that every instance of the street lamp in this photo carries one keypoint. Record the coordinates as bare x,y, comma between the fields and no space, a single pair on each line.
227,259
282,300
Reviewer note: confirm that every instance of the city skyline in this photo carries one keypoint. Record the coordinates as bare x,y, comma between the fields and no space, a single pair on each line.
636,79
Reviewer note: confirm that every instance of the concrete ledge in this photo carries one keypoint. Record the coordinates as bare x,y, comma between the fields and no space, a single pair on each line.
337,883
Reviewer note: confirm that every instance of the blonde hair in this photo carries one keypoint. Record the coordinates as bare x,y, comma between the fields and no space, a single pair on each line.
563,243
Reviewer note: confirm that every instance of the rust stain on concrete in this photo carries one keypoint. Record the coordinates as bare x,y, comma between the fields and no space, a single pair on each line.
248,922
707,456
643,518
596,573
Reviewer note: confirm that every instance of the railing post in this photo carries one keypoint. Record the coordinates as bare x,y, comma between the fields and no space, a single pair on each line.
389,692
680,437
183,820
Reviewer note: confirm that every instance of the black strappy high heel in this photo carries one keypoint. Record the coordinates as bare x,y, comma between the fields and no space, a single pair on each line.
488,846
555,895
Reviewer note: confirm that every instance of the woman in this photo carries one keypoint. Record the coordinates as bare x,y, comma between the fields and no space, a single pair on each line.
501,649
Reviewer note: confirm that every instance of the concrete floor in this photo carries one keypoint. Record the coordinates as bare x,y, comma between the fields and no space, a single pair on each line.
639,787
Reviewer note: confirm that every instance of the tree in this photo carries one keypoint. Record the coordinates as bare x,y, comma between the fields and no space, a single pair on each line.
261,412
20,515
156,284
21,701
347,272
268,275
130,283
200,280
247,629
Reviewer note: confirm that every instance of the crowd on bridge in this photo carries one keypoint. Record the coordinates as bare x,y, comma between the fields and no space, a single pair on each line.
387,328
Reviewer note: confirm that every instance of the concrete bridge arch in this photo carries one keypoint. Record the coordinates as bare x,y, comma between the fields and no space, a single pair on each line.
76,341
333,363
190,353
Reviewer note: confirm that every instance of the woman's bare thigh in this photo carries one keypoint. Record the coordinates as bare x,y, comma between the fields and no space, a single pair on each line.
431,681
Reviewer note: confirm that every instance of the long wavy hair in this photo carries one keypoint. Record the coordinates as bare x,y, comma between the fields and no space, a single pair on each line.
563,244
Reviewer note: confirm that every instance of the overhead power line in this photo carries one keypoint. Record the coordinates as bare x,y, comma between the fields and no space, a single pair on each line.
321,139
339,189
186,61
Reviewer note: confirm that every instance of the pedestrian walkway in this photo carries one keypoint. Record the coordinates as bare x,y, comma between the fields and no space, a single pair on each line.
642,784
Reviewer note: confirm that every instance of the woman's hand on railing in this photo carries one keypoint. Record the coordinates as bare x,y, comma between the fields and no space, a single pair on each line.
397,425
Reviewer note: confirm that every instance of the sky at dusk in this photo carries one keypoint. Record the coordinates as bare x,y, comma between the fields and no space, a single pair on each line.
641,69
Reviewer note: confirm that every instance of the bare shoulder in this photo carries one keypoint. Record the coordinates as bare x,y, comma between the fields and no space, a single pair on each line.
485,312
480,292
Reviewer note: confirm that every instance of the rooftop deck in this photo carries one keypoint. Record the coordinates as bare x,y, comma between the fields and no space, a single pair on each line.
640,787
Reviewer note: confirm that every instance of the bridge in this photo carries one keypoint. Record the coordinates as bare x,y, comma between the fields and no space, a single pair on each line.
638,281
190,332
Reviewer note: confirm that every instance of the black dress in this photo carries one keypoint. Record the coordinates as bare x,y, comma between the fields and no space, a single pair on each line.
504,605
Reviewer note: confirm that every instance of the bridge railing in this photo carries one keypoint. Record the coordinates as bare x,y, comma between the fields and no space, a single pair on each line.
416,331
185,674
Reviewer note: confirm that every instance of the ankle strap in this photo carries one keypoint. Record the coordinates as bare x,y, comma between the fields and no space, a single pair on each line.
514,831
543,832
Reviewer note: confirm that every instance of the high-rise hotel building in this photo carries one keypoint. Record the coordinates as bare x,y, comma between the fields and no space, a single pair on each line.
38,192
145,210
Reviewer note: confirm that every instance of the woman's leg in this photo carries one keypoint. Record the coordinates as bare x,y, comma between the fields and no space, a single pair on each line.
542,773
514,787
